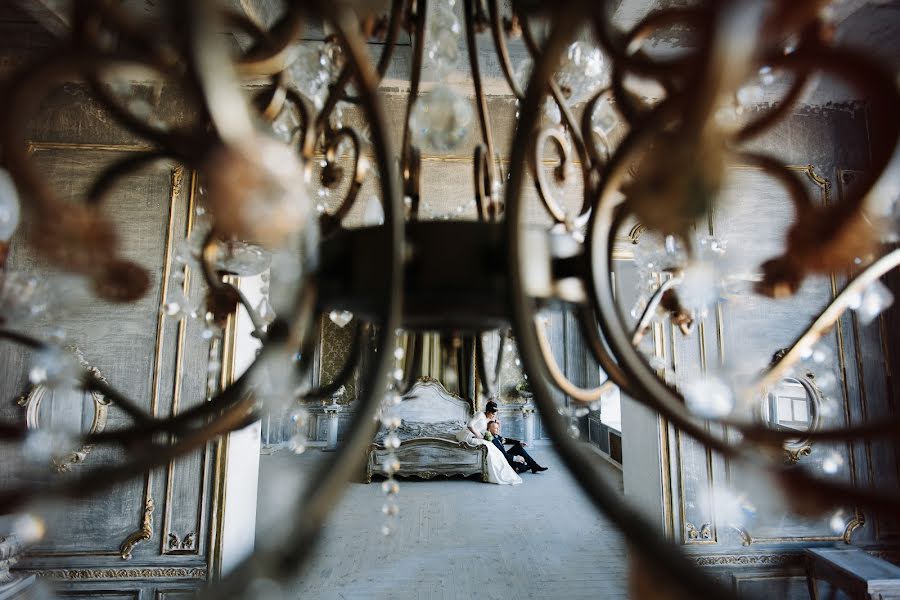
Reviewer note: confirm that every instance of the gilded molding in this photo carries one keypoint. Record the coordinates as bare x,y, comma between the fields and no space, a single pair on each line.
177,181
141,535
31,402
858,520
136,573
634,234
175,543
746,538
792,455
704,533
748,560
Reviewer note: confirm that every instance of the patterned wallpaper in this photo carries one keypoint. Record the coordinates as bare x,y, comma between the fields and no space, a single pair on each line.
334,352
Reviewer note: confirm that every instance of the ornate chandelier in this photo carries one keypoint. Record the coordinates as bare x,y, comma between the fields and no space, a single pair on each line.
282,172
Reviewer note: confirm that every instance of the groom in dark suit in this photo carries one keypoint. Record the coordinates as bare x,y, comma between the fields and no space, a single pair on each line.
517,450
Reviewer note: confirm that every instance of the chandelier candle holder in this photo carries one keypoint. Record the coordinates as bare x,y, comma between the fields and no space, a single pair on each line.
282,170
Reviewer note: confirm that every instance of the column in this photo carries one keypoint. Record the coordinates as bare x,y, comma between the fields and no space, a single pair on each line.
332,412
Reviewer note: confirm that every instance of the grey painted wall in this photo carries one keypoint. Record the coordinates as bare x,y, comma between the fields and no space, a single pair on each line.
726,518
160,363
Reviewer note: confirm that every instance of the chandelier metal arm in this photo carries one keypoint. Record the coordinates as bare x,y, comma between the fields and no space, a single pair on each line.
650,388
269,55
490,381
480,99
98,14
269,102
656,550
285,559
571,124
831,238
481,170
813,36
558,377
146,424
183,143
209,65
104,183
502,50
337,91
414,352
410,158
827,319
307,136
332,172
587,322
590,134
646,319
146,456
639,63
551,204
570,121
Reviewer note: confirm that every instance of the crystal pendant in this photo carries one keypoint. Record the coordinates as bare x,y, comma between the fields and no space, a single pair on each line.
580,74
441,120
9,206
873,301
709,397
552,112
390,464
340,317
24,297
699,288
54,368
178,305
522,73
756,90
297,443
242,258
274,383
392,441
310,73
285,124
374,214
442,39
265,312
838,522
832,463
604,120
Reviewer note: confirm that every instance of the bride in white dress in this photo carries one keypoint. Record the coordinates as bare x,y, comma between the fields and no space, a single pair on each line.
498,469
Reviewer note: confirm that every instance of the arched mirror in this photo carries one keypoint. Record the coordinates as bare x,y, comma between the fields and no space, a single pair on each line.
793,405
66,410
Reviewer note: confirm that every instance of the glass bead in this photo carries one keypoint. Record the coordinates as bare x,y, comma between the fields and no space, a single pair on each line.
441,120
340,317
832,463
10,207
709,397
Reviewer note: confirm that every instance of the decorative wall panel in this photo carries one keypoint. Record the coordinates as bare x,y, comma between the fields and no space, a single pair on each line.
152,530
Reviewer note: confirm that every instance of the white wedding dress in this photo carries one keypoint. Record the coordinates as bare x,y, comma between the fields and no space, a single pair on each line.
498,469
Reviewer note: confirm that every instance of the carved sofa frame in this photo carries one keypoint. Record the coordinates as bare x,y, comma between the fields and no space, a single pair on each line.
427,457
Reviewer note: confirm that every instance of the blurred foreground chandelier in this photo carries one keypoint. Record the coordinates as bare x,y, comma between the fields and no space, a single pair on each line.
256,159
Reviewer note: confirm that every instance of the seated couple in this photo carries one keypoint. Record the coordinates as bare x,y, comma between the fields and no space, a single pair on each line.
503,465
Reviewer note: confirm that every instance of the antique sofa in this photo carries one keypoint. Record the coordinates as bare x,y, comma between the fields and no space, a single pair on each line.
431,416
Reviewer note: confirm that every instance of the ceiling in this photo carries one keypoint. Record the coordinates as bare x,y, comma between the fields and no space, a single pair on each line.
872,24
